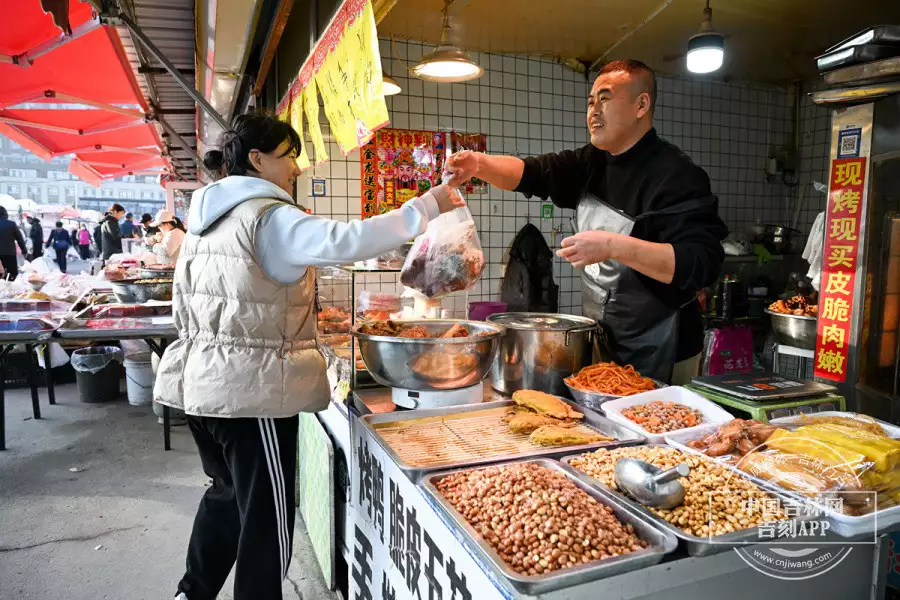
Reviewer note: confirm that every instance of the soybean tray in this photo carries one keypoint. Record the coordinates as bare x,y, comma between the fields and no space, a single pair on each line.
660,542
695,545
426,440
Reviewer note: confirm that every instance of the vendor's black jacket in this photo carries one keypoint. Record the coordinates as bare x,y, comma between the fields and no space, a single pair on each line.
652,175
10,235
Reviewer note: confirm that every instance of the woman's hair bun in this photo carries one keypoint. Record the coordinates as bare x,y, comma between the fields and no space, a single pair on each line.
213,160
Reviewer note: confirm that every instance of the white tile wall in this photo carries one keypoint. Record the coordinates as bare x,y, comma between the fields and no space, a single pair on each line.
815,140
529,106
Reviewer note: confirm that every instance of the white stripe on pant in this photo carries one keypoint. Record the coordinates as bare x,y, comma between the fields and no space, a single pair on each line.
273,458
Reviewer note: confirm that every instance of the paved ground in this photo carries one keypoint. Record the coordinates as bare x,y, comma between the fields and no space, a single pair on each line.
115,530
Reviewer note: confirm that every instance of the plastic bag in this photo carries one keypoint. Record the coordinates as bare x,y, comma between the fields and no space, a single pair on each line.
95,358
446,258
58,356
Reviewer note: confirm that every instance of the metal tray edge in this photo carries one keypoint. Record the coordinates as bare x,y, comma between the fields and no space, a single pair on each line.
662,542
416,473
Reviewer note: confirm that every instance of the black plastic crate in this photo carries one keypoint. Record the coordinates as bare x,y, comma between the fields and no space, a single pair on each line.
16,371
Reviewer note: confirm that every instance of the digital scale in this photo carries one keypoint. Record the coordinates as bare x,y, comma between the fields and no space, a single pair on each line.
765,396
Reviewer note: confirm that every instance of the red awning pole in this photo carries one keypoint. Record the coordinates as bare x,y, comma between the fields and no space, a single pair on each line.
26,59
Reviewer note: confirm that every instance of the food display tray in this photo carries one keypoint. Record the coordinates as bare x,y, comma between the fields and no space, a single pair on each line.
892,430
480,441
695,546
660,541
25,329
712,412
119,329
848,526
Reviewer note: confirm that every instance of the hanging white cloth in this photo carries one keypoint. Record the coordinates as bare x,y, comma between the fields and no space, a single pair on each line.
815,247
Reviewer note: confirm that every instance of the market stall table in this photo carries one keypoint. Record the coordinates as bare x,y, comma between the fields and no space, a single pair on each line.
30,332
149,329
400,542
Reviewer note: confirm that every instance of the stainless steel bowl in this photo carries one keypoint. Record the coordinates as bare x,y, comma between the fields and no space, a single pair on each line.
124,290
794,330
153,291
594,400
128,291
150,273
431,363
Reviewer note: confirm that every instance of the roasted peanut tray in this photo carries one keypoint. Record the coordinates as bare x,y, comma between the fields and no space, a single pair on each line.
427,440
695,545
660,541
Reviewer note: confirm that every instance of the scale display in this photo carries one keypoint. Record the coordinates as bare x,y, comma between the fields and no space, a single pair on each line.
762,386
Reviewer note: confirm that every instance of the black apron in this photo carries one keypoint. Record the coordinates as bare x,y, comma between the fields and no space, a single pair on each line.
641,330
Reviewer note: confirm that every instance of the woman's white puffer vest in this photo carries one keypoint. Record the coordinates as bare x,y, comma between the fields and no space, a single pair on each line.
246,345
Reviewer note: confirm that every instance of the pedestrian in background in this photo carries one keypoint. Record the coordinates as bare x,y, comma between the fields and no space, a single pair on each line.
111,237
60,239
36,233
10,235
127,227
84,242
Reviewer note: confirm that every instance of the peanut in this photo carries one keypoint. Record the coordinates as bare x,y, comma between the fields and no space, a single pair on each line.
537,519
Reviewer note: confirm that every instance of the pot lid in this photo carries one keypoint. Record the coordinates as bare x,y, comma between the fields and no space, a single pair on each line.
541,321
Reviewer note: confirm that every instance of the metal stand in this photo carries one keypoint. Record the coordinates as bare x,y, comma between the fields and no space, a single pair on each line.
32,380
158,349
4,350
48,376
802,354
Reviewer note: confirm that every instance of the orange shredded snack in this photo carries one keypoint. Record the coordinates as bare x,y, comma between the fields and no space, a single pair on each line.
609,378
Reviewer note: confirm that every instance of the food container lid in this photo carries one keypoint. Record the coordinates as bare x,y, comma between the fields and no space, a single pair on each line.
541,321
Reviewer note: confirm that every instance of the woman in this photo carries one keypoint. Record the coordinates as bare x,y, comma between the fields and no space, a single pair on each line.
169,239
84,242
246,361
60,239
110,236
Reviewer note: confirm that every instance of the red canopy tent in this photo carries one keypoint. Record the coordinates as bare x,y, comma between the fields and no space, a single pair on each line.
73,92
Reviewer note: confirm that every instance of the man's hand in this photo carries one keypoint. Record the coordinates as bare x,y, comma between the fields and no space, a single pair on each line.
587,248
462,166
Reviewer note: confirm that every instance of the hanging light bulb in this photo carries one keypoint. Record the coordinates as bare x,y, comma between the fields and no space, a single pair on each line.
389,87
706,50
447,64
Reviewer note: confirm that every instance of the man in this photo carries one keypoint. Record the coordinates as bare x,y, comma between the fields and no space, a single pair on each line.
127,228
36,233
10,235
649,235
146,229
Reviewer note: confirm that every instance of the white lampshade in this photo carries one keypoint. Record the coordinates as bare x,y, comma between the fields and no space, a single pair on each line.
706,52
389,87
447,64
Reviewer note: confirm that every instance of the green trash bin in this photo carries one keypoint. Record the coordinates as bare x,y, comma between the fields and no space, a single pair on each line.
98,373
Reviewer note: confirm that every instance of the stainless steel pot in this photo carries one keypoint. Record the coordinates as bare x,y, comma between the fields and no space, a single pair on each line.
798,331
539,350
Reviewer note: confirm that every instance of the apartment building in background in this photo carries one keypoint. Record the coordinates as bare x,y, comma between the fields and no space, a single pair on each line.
24,175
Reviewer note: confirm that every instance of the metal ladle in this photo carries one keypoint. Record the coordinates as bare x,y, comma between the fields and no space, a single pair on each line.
650,485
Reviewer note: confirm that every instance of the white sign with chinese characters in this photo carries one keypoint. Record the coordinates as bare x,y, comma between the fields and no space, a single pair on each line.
401,549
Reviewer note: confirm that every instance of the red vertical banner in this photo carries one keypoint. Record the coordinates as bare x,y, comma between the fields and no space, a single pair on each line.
368,170
840,258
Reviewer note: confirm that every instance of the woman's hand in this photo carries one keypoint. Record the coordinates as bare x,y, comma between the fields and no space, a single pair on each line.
448,198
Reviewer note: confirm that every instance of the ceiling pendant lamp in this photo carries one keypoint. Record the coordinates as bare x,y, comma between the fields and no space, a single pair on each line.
389,87
706,50
447,64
